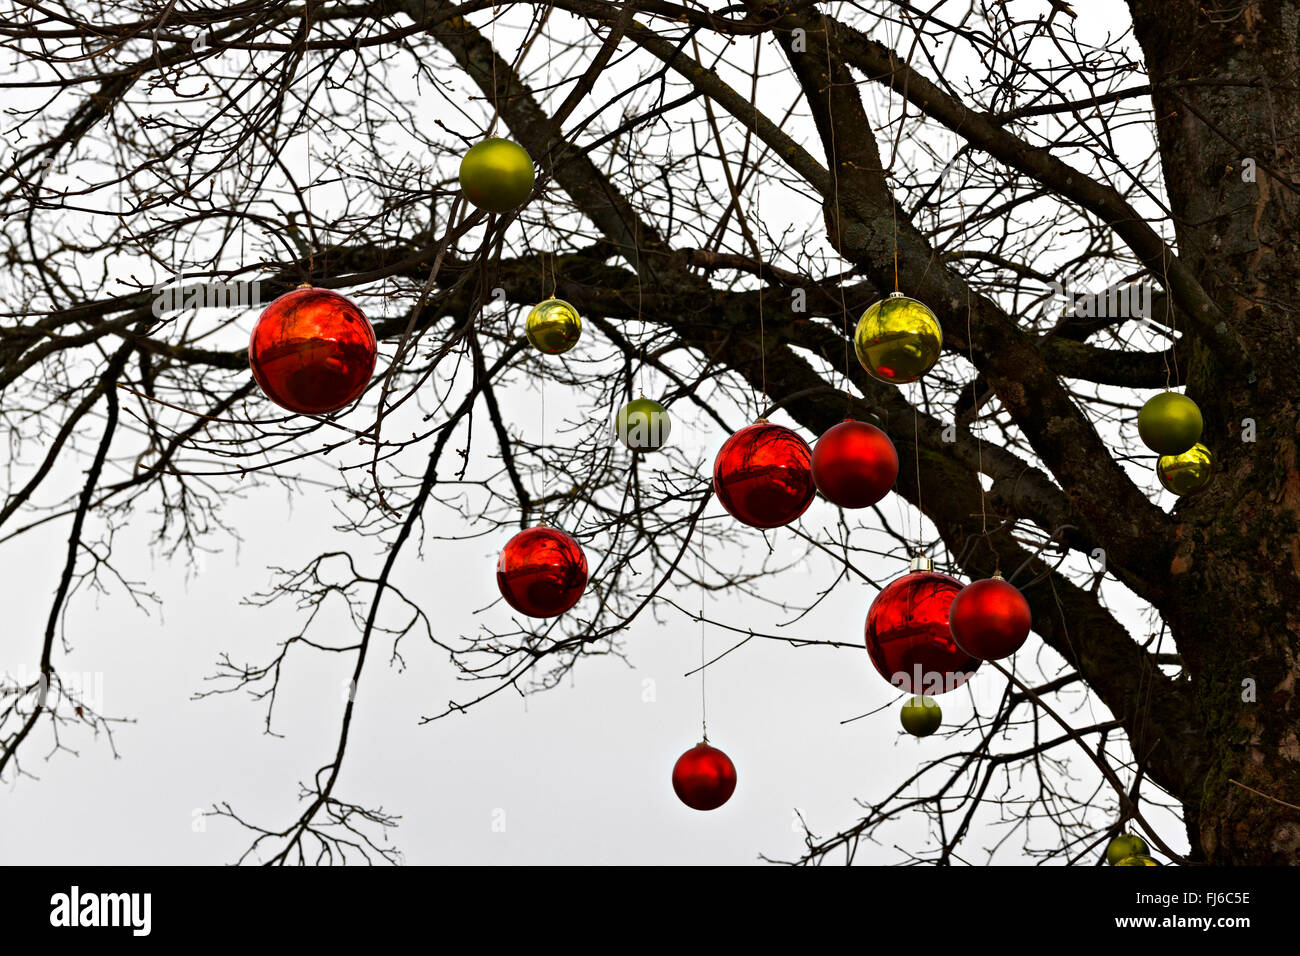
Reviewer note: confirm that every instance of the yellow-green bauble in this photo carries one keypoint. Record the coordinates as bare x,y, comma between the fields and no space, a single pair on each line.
1183,474
1170,423
497,175
1124,847
920,716
643,425
898,340
1137,859
553,326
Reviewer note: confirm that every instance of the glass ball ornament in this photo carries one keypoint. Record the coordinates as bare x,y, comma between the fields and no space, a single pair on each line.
312,351
908,637
1170,423
921,716
990,619
763,475
898,340
1123,847
542,572
553,327
496,175
854,464
1186,473
1138,859
643,425
704,778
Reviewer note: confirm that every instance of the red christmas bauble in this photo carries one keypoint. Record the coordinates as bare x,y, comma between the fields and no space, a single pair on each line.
542,572
989,619
763,475
704,777
854,464
908,637
312,351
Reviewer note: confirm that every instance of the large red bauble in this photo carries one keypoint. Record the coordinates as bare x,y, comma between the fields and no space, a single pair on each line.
704,777
763,475
542,572
854,464
312,351
989,619
908,637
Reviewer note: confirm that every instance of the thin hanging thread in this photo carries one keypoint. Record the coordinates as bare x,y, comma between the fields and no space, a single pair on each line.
306,107
839,234
704,702
975,398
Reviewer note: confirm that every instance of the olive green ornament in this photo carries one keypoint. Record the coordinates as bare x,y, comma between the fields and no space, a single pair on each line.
1186,473
920,716
1170,423
643,425
553,326
496,175
898,340
1124,847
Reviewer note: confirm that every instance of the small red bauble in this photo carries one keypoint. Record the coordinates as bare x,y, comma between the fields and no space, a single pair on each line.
854,464
542,572
704,777
763,475
312,351
908,637
990,619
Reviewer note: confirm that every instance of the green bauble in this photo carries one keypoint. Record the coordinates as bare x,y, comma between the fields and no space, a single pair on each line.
643,425
1137,859
497,175
1125,847
1170,423
898,340
920,716
553,326
1183,474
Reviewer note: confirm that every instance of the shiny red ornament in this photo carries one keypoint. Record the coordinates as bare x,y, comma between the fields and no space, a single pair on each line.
763,475
908,637
542,572
312,351
704,777
854,464
989,619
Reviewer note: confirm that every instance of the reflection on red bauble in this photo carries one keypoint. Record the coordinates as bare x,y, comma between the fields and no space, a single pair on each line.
704,777
763,475
312,351
908,637
989,619
854,464
542,572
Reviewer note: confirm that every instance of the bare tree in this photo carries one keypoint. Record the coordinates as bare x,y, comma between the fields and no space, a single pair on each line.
983,156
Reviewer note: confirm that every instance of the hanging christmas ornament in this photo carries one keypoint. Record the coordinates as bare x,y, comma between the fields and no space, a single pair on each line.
1170,423
908,636
1183,474
763,475
542,572
553,326
496,175
704,778
921,716
1137,859
989,619
898,340
1123,847
312,351
643,425
854,464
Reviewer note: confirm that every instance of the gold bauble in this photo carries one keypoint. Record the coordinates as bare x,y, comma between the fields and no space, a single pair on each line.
553,326
898,340
1138,859
1183,474
496,175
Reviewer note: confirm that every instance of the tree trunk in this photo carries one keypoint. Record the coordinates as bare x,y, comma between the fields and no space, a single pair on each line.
1228,114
